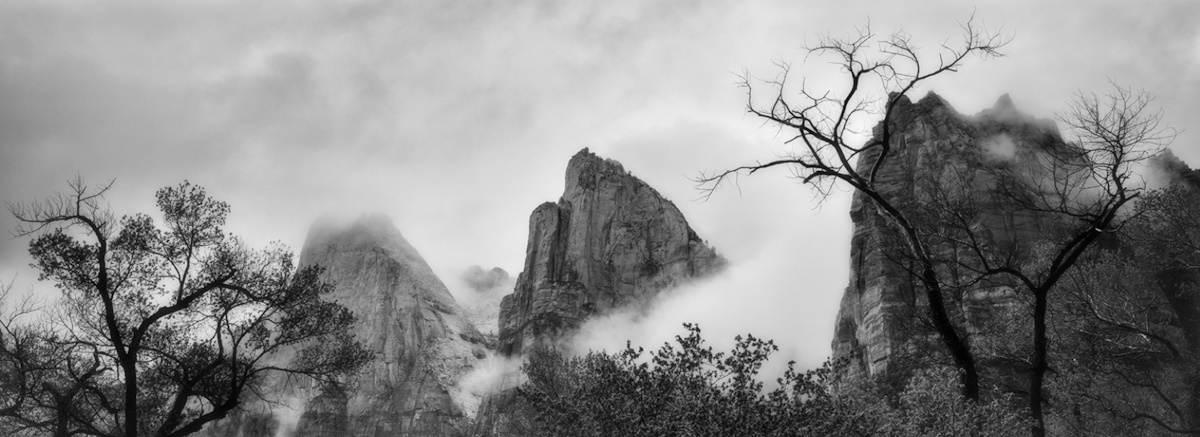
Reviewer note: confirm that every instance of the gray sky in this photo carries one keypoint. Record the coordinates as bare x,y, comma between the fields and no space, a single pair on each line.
458,118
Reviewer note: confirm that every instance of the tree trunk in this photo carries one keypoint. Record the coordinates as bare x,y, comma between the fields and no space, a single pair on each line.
959,349
131,398
963,359
1038,370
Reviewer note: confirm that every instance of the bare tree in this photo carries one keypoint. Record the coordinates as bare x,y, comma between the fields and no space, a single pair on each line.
1138,314
1077,192
823,126
1122,360
1081,190
165,329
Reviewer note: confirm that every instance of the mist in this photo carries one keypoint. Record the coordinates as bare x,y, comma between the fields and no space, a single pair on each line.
457,120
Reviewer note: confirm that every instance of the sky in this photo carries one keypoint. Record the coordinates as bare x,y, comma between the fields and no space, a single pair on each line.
457,118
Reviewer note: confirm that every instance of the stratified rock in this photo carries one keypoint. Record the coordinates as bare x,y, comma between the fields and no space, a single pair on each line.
610,241
936,152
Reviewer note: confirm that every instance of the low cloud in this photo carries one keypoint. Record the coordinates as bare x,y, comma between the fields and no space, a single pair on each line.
490,376
999,147
742,299
479,291
486,281
287,415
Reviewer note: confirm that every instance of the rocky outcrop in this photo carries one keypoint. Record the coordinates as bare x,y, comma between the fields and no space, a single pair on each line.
937,154
408,318
422,345
610,241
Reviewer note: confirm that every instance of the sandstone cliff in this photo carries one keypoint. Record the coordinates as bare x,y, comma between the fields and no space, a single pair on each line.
610,241
406,316
937,153
422,343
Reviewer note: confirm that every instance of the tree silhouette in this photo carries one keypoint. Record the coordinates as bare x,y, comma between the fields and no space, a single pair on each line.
163,328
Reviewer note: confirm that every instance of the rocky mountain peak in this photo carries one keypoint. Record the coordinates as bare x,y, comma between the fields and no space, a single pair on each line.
611,240
584,161
934,148
366,233
422,342
1004,103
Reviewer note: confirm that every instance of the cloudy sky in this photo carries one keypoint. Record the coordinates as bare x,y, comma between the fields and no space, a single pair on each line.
457,118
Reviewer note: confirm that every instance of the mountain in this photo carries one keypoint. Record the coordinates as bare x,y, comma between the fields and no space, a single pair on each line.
421,340
609,242
422,343
937,153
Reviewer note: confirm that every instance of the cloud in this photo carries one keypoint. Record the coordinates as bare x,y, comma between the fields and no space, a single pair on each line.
458,119
486,281
999,147
490,376
287,415
746,298
479,292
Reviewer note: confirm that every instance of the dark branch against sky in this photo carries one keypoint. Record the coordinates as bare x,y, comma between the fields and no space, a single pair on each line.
457,118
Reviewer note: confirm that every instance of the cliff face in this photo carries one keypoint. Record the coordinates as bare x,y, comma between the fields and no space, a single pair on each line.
610,241
422,344
937,154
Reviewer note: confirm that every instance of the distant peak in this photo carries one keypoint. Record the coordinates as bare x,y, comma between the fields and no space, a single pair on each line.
336,223
932,99
1004,103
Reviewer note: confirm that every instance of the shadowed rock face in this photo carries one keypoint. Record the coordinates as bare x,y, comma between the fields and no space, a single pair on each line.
610,241
936,152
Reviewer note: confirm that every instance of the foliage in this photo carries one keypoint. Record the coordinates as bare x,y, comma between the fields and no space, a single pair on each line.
1128,322
162,327
688,389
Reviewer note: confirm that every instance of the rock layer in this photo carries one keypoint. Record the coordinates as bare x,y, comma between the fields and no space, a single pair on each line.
610,241
936,152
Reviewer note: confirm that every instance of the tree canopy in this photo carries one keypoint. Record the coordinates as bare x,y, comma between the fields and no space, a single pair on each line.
163,325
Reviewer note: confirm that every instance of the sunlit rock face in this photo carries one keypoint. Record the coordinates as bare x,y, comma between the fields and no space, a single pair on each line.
408,318
936,152
610,241
422,345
